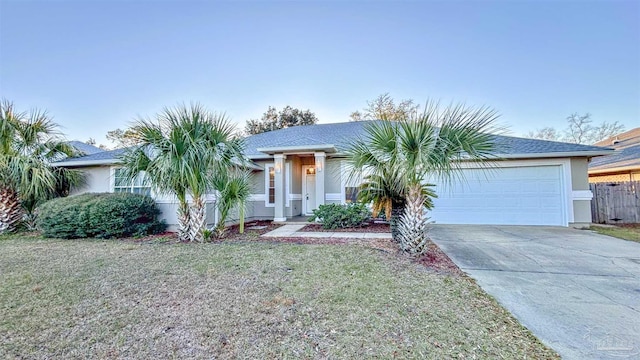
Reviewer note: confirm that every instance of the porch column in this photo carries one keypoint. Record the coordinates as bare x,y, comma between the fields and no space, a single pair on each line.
320,171
280,200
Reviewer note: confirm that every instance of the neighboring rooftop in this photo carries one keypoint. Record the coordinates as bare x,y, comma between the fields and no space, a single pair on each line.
84,147
626,157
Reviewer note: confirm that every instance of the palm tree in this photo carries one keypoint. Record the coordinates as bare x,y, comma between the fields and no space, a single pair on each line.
180,153
383,196
234,188
399,156
29,143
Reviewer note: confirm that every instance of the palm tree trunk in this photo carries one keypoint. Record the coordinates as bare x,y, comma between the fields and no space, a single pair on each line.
241,213
197,223
397,209
412,226
183,221
10,210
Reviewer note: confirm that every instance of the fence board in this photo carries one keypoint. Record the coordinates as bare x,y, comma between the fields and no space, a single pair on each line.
615,202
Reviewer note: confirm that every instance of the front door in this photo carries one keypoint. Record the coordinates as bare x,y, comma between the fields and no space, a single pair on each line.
308,189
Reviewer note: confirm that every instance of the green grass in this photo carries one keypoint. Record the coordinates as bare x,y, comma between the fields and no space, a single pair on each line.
112,299
627,232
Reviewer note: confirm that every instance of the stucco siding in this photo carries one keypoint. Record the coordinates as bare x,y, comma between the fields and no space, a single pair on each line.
332,178
580,184
579,177
97,180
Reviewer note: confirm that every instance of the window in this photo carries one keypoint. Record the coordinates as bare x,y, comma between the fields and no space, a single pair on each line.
139,185
271,185
350,194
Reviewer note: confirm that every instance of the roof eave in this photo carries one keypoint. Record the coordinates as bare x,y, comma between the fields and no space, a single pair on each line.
592,153
86,163
614,169
330,148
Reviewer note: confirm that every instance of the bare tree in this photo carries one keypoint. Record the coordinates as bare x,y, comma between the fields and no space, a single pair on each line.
546,133
385,107
580,130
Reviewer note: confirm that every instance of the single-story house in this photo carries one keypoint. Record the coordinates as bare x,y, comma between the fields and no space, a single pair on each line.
623,165
535,182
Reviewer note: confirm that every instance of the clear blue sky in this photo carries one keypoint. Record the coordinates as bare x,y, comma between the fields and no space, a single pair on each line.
96,66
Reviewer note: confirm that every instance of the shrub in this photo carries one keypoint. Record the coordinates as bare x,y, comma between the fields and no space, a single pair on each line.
103,215
334,216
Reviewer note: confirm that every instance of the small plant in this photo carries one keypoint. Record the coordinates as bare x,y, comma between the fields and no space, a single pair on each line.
334,216
208,234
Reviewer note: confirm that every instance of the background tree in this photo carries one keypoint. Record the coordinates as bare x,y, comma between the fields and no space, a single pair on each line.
580,130
122,138
384,107
29,143
274,120
399,155
181,152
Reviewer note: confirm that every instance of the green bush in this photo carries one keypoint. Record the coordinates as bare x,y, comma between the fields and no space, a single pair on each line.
104,215
334,216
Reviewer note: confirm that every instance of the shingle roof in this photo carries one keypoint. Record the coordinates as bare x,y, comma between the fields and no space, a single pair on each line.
84,147
627,155
342,134
106,156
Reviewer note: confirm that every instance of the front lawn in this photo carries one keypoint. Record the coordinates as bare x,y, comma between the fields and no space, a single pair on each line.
247,299
626,232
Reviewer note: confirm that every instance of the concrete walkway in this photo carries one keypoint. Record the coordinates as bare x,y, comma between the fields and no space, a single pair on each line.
578,291
294,231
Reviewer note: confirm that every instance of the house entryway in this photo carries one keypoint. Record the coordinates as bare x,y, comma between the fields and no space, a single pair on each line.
308,189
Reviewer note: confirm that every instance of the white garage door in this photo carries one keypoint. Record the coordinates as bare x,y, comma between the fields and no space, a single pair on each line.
504,196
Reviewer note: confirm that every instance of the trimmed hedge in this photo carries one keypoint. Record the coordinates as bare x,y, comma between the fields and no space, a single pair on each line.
334,216
99,215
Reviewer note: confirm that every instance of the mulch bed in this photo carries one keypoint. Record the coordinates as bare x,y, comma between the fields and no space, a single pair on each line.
370,228
434,260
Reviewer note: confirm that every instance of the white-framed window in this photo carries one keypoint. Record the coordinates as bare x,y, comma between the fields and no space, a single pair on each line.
350,186
139,185
351,194
270,185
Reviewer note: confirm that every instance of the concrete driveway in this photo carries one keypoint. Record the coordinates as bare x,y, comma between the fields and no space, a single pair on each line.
579,292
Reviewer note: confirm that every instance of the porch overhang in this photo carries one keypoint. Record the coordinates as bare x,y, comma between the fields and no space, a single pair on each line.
302,149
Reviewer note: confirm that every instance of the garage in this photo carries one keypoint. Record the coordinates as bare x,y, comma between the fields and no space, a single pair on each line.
525,195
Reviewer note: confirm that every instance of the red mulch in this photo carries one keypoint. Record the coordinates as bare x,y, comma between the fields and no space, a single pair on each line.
435,259
370,228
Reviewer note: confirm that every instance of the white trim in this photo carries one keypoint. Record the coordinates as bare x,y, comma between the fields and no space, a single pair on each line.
560,155
565,178
582,195
280,219
112,183
86,162
334,196
287,178
300,149
257,197
304,189
112,177
295,197
266,184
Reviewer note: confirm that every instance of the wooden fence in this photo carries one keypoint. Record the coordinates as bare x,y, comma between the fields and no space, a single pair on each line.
616,203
